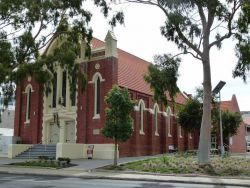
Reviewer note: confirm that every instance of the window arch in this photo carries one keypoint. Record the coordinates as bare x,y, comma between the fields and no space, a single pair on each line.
54,91
96,80
28,91
64,88
97,95
180,131
141,111
156,111
169,114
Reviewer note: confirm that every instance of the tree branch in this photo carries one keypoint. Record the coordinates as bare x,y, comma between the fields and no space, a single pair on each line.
181,35
229,25
12,33
186,41
7,24
202,15
187,52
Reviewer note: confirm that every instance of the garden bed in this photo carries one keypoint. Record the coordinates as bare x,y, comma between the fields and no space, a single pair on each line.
187,164
45,162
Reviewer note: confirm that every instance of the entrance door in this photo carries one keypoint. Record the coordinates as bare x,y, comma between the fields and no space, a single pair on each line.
54,132
70,132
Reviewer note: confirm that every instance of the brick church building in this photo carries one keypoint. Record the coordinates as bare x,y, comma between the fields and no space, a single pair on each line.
81,120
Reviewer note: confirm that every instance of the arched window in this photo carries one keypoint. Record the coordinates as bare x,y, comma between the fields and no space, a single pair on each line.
73,96
169,113
28,92
180,131
96,80
97,95
141,111
156,110
64,88
54,95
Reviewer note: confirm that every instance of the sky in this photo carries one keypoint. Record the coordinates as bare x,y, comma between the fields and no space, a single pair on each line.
140,35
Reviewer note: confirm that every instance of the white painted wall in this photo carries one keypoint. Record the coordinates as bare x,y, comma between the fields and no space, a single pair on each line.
15,149
6,132
78,151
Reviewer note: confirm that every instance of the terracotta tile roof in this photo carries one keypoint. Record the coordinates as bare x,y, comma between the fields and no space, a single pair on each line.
181,98
246,120
96,43
226,105
131,70
231,105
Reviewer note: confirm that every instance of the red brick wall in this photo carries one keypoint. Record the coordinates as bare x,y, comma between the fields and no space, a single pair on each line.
137,145
149,143
239,140
30,133
108,70
81,123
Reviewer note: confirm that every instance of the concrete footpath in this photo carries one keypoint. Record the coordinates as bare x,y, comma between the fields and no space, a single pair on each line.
89,169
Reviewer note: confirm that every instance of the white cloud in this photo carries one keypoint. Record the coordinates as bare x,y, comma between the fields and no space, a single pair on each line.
141,36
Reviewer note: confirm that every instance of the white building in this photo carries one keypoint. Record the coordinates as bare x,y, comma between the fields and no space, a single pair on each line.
6,126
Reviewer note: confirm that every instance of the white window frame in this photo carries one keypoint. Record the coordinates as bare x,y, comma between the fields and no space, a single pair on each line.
180,131
190,136
141,105
28,91
94,81
169,114
156,111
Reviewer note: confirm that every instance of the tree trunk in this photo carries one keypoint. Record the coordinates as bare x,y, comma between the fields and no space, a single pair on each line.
205,131
115,155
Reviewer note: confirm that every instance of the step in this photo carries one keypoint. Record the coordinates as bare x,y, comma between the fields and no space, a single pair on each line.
38,150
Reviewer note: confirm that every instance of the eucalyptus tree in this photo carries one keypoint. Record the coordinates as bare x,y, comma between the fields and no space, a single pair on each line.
28,28
196,26
162,77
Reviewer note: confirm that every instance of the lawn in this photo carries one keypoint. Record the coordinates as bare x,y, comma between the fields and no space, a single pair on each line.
187,164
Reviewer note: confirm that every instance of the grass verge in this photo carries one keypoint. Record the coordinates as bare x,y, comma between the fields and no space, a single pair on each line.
188,164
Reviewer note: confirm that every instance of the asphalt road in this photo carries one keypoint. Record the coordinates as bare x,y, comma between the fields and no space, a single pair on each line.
29,181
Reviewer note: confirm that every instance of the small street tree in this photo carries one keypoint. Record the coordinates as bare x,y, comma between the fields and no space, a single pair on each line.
118,119
230,123
190,114
196,26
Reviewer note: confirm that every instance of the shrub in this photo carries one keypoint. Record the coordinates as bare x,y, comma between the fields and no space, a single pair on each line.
62,159
43,157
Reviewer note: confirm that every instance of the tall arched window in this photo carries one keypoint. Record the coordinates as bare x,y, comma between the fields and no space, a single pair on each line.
141,111
64,88
180,131
156,110
96,80
169,113
28,92
97,95
54,95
